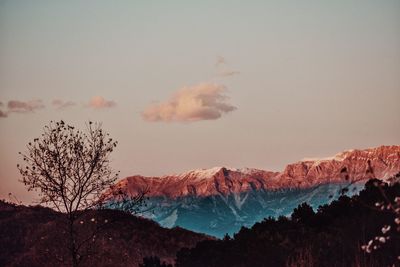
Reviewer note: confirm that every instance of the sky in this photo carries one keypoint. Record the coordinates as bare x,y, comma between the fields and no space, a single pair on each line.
196,84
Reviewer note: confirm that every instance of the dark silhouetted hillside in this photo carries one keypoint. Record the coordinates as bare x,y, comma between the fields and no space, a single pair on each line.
35,236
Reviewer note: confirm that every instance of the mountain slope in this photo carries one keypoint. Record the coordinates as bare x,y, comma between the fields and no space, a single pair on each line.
221,200
332,236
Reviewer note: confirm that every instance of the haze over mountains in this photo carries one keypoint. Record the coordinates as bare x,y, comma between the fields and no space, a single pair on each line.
221,200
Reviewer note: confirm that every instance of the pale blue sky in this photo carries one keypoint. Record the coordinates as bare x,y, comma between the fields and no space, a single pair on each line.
316,77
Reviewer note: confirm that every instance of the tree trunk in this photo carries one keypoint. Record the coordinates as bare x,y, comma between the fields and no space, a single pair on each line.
73,252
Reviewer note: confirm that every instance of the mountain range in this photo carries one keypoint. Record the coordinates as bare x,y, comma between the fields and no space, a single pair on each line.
221,200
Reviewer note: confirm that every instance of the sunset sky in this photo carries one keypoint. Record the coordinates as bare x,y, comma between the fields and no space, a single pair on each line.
196,84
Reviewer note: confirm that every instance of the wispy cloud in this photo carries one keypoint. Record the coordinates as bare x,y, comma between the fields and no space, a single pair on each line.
220,61
99,102
24,106
61,104
228,73
196,103
3,114
223,69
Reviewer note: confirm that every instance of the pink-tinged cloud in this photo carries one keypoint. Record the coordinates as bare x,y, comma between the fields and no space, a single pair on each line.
3,114
223,68
228,73
220,61
24,106
99,102
189,104
61,104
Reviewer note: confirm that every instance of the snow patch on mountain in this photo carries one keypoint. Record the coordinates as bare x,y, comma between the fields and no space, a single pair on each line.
201,173
170,221
239,200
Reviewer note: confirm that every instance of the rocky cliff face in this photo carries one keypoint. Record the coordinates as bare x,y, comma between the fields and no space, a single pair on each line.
221,200
353,165
201,183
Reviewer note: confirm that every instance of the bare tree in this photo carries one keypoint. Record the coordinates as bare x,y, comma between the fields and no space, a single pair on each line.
71,171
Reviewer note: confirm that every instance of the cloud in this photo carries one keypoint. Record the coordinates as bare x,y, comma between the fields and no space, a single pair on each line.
61,104
196,103
220,61
228,73
3,114
24,107
223,69
99,102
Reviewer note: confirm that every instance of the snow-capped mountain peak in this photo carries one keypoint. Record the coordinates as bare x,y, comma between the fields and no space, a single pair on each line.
202,173
352,165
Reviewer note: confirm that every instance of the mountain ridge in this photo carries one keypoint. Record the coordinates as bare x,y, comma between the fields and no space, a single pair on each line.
347,166
221,200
